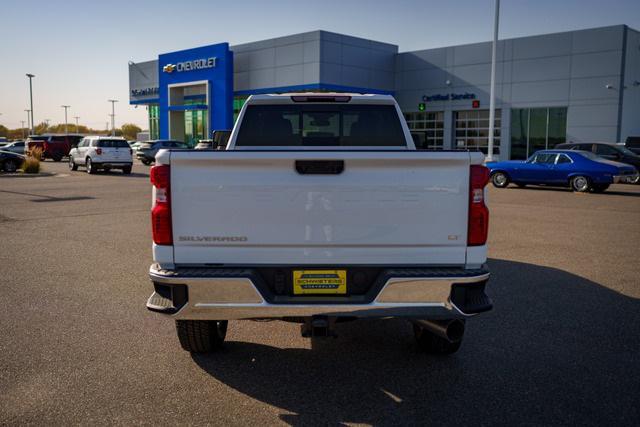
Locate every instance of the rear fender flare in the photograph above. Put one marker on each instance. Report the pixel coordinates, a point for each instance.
(586, 175)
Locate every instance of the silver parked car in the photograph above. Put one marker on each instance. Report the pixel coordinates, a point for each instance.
(147, 151)
(14, 147)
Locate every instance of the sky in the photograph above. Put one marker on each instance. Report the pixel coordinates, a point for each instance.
(79, 50)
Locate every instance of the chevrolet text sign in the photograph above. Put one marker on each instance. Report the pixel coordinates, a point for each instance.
(196, 64)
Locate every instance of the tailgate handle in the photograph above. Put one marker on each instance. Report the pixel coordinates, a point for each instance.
(319, 167)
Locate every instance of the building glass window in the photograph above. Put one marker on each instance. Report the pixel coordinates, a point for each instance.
(427, 128)
(154, 123)
(471, 130)
(534, 129)
(557, 126)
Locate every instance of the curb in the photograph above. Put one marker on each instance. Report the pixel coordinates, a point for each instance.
(27, 175)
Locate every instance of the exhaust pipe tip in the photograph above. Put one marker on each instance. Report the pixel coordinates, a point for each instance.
(451, 330)
(455, 330)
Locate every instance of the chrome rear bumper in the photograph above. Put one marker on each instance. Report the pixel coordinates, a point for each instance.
(624, 179)
(226, 294)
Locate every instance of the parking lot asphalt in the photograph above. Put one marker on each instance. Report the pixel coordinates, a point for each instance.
(77, 345)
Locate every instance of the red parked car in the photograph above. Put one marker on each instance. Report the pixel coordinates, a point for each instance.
(52, 146)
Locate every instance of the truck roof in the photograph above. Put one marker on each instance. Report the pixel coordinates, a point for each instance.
(320, 97)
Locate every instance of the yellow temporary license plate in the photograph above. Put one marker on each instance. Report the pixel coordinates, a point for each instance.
(319, 282)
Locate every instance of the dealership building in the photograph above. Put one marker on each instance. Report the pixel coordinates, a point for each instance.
(572, 86)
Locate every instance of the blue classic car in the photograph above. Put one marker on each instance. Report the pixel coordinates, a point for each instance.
(580, 170)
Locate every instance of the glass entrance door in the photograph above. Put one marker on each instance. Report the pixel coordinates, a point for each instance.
(195, 125)
(188, 112)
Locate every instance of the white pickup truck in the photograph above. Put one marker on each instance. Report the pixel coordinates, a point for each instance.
(320, 210)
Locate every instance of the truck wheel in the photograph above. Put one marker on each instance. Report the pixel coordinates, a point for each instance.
(500, 180)
(146, 162)
(126, 170)
(90, 168)
(429, 342)
(72, 164)
(56, 157)
(201, 336)
(580, 184)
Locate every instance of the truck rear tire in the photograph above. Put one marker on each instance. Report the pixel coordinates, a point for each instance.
(201, 336)
(429, 342)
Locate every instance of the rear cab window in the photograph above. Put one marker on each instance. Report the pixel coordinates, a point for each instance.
(321, 125)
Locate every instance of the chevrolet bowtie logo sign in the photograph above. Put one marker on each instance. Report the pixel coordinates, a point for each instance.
(193, 65)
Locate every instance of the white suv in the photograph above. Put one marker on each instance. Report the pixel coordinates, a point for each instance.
(102, 152)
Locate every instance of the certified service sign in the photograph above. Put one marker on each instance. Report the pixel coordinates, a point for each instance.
(196, 64)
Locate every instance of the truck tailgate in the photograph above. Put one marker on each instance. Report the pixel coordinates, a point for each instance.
(385, 208)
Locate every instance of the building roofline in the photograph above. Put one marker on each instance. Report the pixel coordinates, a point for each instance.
(622, 26)
(392, 45)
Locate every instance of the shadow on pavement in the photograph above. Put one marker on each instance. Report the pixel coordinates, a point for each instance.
(118, 173)
(557, 349)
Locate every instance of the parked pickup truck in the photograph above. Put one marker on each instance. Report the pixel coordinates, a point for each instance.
(52, 146)
(319, 211)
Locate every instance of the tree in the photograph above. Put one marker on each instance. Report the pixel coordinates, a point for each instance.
(129, 130)
(4, 131)
(17, 133)
(40, 128)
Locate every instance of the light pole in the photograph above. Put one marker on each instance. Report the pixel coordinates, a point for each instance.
(65, 117)
(76, 117)
(113, 116)
(23, 129)
(28, 118)
(31, 99)
(492, 95)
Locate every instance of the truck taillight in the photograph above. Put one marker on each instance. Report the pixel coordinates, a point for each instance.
(98, 151)
(161, 212)
(478, 211)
